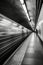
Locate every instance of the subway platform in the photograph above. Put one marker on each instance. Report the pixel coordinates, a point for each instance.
(29, 53)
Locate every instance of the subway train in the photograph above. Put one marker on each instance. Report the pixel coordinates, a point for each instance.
(28, 33)
(10, 38)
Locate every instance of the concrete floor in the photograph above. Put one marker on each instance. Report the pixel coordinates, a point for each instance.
(30, 53)
(34, 52)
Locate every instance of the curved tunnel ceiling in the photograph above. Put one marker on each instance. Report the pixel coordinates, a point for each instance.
(13, 10)
(38, 9)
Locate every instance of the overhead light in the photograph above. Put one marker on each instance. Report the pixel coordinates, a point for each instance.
(26, 11)
(22, 1)
(24, 7)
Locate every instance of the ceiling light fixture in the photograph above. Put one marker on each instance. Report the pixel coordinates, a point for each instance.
(22, 1)
(24, 7)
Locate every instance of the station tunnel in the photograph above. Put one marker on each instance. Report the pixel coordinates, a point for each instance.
(21, 32)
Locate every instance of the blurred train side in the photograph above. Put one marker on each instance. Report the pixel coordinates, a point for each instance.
(12, 35)
(12, 30)
(10, 27)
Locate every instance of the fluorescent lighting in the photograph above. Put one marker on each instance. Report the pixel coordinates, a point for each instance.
(24, 7)
(26, 11)
(22, 1)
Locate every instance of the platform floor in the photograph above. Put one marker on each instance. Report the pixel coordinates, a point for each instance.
(34, 52)
(30, 53)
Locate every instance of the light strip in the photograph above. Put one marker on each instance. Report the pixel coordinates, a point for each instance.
(26, 11)
(24, 7)
(22, 1)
